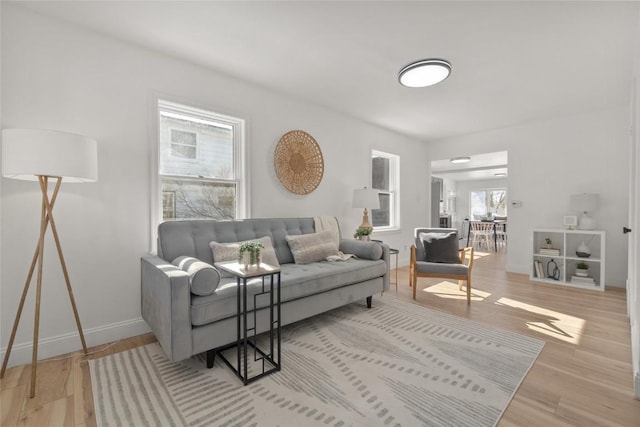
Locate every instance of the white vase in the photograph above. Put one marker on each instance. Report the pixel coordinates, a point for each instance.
(583, 251)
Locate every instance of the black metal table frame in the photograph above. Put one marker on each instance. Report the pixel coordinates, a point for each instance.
(244, 341)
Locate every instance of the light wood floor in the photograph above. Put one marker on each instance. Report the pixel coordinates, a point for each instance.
(582, 377)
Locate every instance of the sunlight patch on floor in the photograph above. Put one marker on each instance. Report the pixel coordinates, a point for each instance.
(548, 322)
(450, 290)
(478, 254)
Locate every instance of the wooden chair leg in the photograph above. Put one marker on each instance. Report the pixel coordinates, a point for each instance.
(468, 290)
(414, 284)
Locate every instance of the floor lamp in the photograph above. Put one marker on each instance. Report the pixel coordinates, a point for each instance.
(44, 156)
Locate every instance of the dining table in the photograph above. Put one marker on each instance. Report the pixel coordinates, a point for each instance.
(495, 223)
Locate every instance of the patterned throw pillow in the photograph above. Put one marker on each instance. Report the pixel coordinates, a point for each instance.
(441, 247)
(312, 247)
(225, 252)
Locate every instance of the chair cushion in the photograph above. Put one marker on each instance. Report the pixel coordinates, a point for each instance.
(224, 252)
(203, 277)
(441, 247)
(312, 247)
(441, 268)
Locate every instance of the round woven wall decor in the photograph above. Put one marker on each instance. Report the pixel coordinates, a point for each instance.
(298, 162)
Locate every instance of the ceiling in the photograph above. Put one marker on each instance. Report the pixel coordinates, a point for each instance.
(513, 62)
(481, 166)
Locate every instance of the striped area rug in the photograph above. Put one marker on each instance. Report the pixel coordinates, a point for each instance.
(396, 364)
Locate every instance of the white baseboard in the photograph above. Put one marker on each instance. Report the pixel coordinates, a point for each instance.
(67, 343)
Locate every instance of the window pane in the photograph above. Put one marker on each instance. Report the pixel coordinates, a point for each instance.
(478, 204)
(488, 201)
(195, 147)
(380, 173)
(183, 144)
(498, 202)
(382, 217)
(190, 199)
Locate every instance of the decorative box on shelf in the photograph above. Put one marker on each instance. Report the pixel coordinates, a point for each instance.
(559, 257)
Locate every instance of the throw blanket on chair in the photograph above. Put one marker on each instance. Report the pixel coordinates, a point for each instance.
(330, 223)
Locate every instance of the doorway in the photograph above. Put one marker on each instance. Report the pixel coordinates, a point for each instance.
(468, 189)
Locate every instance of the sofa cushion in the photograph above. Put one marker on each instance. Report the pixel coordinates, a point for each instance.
(307, 248)
(297, 281)
(203, 277)
(441, 247)
(225, 252)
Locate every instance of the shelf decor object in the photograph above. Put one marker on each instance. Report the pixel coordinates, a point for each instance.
(564, 263)
(298, 162)
(585, 203)
(44, 156)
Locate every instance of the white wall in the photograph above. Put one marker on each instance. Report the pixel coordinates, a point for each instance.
(549, 161)
(61, 77)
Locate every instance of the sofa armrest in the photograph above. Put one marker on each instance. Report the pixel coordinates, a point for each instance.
(165, 305)
(364, 249)
(361, 248)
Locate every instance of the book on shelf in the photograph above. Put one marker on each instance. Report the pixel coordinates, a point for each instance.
(584, 280)
(539, 270)
(549, 251)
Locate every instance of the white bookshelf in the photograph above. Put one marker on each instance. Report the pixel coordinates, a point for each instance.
(566, 242)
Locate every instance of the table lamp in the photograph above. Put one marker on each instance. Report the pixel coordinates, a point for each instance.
(44, 155)
(585, 203)
(366, 198)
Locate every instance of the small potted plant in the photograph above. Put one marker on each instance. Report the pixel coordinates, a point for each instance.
(549, 243)
(363, 233)
(253, 249)
(582, 269)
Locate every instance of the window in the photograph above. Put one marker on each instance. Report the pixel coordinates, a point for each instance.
(183, 144)
(488, 201)
(200, 165)
(385, 177)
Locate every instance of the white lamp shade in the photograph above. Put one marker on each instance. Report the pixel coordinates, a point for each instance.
(28, 153)
(585, 202)
(366, 198)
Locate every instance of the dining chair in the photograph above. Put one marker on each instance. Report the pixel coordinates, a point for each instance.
(482, 234)
(501, 233)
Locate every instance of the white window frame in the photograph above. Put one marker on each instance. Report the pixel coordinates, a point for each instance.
(394, 188)
(240, 151)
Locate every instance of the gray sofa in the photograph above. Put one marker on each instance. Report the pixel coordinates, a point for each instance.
(186, 324)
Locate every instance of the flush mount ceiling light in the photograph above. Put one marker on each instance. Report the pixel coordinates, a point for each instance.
(463, 159)
(426, 72)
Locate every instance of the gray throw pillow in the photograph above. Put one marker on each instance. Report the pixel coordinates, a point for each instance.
(224, 252)
(441, 247)
(312, 247)
(203, 277)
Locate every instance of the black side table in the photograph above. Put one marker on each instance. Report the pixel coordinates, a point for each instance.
(395, 252)
(265, 361)
(392, 252)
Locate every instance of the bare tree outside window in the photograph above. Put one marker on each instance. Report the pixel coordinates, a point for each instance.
(484, 202)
